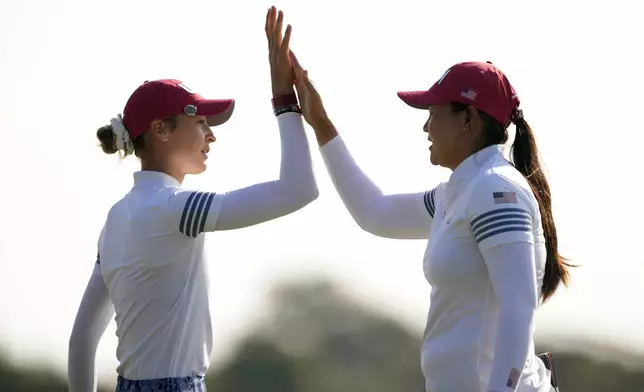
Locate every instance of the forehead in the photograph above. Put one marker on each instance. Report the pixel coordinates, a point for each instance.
(439, 108)
(186, 118)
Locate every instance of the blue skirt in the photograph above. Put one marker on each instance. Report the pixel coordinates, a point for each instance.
(174, 384)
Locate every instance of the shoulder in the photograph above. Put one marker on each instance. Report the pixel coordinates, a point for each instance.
(501, 210)
(501, 187)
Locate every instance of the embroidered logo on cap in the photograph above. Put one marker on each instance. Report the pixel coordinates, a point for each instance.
(190, 110)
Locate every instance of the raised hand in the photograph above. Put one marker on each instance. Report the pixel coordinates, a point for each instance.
(282, 75)
(310, 100)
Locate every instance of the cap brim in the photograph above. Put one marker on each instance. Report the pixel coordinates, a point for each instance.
(216, 111)
(421, 99)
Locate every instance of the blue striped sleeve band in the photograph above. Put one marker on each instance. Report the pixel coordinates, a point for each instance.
(98, 259)
(195, 213)
(430, 205)
(501, 221)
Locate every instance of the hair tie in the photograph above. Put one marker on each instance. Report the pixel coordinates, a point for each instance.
(517, 115)
(122, 139)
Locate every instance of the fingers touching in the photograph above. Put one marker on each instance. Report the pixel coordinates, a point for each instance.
(287, 39)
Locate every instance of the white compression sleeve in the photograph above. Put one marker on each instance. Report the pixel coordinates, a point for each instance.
(512, 271)
(94, 314)
(295, 188)
(402, 216)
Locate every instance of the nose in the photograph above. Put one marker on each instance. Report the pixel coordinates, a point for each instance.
(425, 126)
(210, 137)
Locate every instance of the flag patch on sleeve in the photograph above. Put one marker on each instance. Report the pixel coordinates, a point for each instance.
(504, 197)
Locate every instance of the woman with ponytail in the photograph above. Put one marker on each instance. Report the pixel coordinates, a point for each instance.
(492, 254)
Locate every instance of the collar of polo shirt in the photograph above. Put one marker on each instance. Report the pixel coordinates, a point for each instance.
(154, 178)
(470, 166)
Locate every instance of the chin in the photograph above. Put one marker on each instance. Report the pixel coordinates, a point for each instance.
(434, 161)
(197, 168)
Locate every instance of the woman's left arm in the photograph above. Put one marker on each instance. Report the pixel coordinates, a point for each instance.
(502, 217)
(512, 272)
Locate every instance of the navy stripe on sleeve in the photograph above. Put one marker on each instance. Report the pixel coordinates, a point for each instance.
(195, 213)
(429, 199)
(500, 221)
(98, 259)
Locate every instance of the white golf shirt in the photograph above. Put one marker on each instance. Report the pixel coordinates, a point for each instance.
(152, 260)
(151, 270)
(485, 261)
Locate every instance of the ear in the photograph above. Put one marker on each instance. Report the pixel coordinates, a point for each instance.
(159, 130)
(474, 120)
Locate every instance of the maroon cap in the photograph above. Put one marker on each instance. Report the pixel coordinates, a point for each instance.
(481, 85)
(160, 99)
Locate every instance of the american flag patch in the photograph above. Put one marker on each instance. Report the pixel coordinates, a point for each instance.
(513, 379)
(504, 197)
(468, 93)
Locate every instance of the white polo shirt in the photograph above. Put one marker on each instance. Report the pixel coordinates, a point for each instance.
(485, 260)
(486, 203)
(151, 274)
(151, 258)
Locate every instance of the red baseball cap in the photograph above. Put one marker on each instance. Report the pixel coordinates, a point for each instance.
(481, 85)
(160, 99)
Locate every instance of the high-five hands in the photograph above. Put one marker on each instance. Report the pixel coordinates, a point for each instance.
(310, 100)
(282, 75)
(286, 70)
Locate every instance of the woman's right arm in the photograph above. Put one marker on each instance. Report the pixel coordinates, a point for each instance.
(94, 314)
(400, 216)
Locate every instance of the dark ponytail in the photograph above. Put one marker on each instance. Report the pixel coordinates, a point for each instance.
(525, 158)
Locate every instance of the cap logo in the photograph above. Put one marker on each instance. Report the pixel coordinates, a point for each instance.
(443, 77)
(190, 110)
(183, 86)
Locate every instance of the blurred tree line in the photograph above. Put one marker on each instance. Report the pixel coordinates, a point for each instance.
(316, 340)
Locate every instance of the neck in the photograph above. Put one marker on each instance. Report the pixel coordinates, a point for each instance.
(458, 158)
(152, 165)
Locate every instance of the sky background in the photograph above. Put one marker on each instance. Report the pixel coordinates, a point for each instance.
(70, 65)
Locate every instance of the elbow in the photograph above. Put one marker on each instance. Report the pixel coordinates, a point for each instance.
(305, 195)
(370, 218)
(366, 225)
(375, 230)
(302, 192)
(75, 349)
(369, 223)
(77, 343)
(309, 191)
(80, 342)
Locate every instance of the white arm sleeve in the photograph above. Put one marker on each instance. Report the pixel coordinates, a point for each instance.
(401, 216)
(195, 212)
(512, 271)
(502, 217)
(94, 314)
